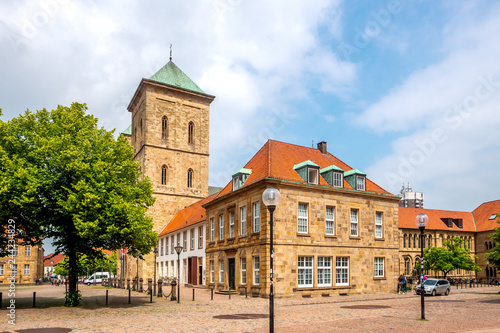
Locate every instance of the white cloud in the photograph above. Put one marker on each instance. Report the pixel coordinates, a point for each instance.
(448, 116)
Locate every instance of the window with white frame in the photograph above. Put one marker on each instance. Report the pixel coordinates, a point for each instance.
(162, 242)
(303, 224)
(212, 229)
(313, 175)
(330, 220)
(200, 237)
(379, 267)
(360, 183)
(14, 269)
(305, 278)
(192, 239)
(212, 271)
(338, 179)
(378, 225)
(231, 224)
(221, 271)
(221, 227)
(324, 271)
(26, 269)
(166, 245)
(243, 270)
(173, 245)
(166, 269)
(243, 220)
(27, 251)
(172, 268)
(179, 239)
(342, 271)
(15, 251)
(354, 222)
(1, 269)
(256, 216)
(184, 246)
(256, 270)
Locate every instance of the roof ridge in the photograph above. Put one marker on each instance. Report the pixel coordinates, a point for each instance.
(441, 210)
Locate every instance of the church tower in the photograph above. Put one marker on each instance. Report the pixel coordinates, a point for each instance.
(170, 137)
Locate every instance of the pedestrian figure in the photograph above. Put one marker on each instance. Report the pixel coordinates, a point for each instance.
(400, 284)
(404, 284)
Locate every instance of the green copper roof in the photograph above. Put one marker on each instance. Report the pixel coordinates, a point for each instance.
(243, 171)
(128, 131)
(172, 75)
(330, 168)
(354, 172)
(305, 163)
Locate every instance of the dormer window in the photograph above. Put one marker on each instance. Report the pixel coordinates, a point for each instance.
(356, 179)
(308, 171)
(333, 175)
(240, 177)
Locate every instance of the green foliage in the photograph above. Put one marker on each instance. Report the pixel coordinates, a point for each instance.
(87, 264)
(64, 178)
(73, 298)
(449, 257)
(493, 257)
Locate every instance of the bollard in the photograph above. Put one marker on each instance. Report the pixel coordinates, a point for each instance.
(34, 298)
(160, 288)
(0, 300)
(229, 293)
(151, 297)
(457, 285)
(246, 293)
(106, 297)
(461, 285)
(129, 291)
(212, 293)
(193, 294)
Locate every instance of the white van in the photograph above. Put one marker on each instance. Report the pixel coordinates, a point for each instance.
(98, 276)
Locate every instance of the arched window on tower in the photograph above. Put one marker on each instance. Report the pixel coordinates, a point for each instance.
(191, 133)
(404, 241)
(164, 174)
(190, 178)
(164, 128)
(429, 240)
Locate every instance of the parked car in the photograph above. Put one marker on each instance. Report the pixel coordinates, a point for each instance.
(434, 286)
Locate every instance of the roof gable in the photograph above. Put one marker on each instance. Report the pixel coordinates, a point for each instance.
(438, 219)
(277, 160)
(172, 75)
(483, 213)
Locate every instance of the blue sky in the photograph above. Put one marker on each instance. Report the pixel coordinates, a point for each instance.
(406, 91)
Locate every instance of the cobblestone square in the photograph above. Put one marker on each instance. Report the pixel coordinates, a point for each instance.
(464, 310)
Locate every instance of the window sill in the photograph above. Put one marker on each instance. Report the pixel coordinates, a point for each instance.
(379, 239)
(354, 237)
(380, 278)
(323, 288)
(303, 234)
(242, 236)
(331, 236)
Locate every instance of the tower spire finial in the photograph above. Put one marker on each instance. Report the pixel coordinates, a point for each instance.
(170, 51)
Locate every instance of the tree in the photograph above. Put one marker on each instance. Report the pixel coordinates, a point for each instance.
(64, 178)
(493, 257)
(449, 257)
(87, 265)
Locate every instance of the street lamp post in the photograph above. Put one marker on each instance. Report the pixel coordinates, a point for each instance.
(271, 198)
(137, 276)
(178, 249)
(421, 222)
(154, 283)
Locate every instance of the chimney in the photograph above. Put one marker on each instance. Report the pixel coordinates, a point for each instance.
(322, 147)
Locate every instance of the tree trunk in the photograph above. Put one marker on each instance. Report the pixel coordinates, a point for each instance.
(73, 279)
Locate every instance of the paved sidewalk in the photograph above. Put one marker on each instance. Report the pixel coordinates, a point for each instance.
(464, 310)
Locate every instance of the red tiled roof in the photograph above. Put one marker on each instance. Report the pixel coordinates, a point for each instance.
(55, 258)
(483, 213)
(187, 216)
(276, 160)
(407, 219)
